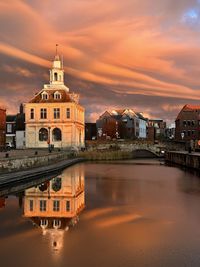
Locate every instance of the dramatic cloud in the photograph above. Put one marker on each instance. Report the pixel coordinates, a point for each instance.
(141, 54)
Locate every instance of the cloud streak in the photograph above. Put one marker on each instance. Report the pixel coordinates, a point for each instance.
(116, 54)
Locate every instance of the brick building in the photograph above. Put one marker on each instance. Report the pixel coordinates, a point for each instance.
(90, 131)
(156, 129)
(121, 123)
(2, 128)
(107, 126)
(188, 123)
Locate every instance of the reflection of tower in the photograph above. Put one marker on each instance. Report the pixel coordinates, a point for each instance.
(55, 205)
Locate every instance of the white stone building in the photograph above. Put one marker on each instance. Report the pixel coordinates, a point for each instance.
(54, 115)
(142, 126)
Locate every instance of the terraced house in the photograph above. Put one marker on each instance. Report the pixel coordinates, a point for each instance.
(54, 115)
(188, 123)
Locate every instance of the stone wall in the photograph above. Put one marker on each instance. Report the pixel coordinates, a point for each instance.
(190, 160)
(9, 165)
(134, 145)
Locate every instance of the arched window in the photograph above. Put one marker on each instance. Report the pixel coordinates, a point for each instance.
(55, 76)
(43, 134)
(56, 134)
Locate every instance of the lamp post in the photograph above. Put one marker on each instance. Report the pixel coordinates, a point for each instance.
(49, 140)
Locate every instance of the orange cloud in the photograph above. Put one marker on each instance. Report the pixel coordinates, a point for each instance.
(126, 48)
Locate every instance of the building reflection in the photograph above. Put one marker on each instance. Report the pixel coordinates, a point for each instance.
(2, 202)
(55, 205)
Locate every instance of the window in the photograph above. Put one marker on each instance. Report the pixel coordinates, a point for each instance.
(32, 114)
(57, 95)
(193, 132)
(43, 113)
(56, 205)
(188, 123)
(188, 133)
(44, 222)
(68, 113)
(31, 205)
(55, 76)
(44, 96)
(184, 123)
(56, 134)
(43, 134)
(43, 205)
(193, 123)
(56, 112)
(67, 205)
(56, 223)
(9, 128)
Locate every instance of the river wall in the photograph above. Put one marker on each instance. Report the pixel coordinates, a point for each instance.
(190, 160)
(16, 164)
(132, 145)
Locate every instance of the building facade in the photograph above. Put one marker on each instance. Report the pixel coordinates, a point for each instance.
(156, 129)
(188, 124)
(142, 126)
(54, 115)
(124, 124)
(20, 129)
(11, 131)
(90, 131)
(2, 128)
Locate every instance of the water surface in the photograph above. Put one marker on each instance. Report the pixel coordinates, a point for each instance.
(130, 213)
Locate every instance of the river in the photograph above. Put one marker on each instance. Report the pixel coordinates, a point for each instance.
(126, 214)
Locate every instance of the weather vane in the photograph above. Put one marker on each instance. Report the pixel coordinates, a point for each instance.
(56, 49)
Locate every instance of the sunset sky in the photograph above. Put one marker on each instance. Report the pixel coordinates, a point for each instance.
(140, 54)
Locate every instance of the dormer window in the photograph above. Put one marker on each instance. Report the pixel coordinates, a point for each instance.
(57, 95)
(44, 96)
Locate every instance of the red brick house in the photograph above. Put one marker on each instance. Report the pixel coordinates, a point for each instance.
(107, 126)
(119, 123)
(188, 123)
(2, 128)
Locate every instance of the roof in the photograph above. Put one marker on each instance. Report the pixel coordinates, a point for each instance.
(65, 97)
(188, 107)
(191, 107)
(141, 116)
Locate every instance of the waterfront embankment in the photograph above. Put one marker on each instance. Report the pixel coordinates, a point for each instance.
(183, 158)
(49, 171)
(106, 155)
(18, 160)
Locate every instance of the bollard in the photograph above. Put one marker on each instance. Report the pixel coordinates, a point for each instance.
(7, 155)
(36, 153)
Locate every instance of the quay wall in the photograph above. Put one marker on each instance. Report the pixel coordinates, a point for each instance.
(190, 160)
(132, 145)
(26, 162)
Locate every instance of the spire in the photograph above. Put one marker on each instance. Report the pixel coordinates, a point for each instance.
(57, 58)
(57, 71)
